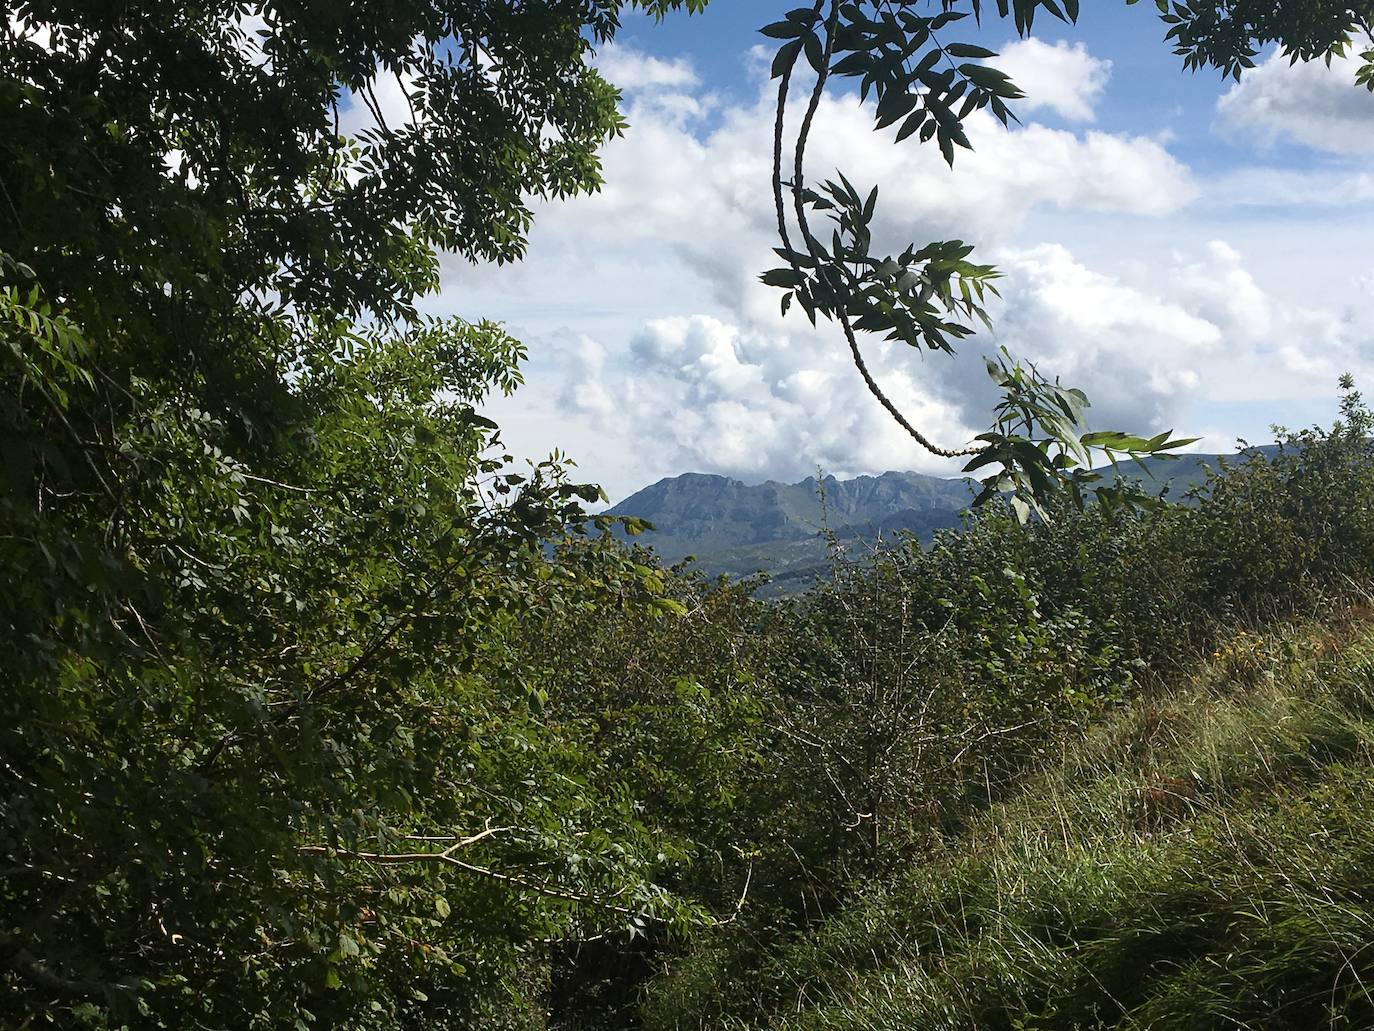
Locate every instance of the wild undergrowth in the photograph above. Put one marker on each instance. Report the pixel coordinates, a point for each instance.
(1096, 771)
(1203, 858)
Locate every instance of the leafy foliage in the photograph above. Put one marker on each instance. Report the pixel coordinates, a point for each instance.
(317, 711)
(1229, 36)
(270, 754)
(930, 296)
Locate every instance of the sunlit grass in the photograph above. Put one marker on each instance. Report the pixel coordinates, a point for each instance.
(1204, 859)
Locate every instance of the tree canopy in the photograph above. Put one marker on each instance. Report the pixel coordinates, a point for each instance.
(264, 557)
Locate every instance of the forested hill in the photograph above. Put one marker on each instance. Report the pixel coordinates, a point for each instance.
(733, 527)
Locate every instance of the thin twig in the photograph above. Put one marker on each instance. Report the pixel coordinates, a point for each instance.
(276, 483)
(447, 857)
(399, 858)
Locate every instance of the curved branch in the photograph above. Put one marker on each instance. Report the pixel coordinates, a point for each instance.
(822, 76)
(784, 89)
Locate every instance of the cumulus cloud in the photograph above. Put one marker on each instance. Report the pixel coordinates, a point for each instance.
(1064, 78)
(736, 397)
(717, 397)
(1306, 102)
(698, 189)
(657, 351)
(1138, 353)
(631, 70)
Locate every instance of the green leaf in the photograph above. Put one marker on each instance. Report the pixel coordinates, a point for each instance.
(968, 50)
(785, 58)
(784, 30)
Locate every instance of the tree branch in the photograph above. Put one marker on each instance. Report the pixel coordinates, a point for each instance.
(14, 957)
(385, 858)
(447, 856)
(798, 194)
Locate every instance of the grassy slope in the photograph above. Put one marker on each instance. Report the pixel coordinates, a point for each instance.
(1201, 861)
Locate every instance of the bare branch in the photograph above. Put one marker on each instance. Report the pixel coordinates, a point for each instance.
(386, 858)
(448, 857)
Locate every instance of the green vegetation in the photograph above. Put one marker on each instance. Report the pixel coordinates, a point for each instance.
(789, 530)
(265, 565)
(1094, 773)
(1200, 860)
(317, 713)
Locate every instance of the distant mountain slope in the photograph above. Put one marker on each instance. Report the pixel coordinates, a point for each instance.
(733, 527)
(740, 528)
(1187, 471)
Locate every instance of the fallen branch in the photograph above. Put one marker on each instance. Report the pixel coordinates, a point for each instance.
(448, 857)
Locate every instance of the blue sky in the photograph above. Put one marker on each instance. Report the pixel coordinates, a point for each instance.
(1130, 36)
(1192, 252)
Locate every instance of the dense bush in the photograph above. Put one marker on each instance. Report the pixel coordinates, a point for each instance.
(816, 746)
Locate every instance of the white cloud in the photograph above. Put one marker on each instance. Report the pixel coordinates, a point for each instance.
(714, 396)
(1137, 353)
(631, 70)
(1061, 77)
(737, 396)
(397, 98)
(1200, 331)
(248, 23)
(700, 197)
(1306, 102)
(1291, 188)
(32, 29)
(656, 351)
(1219, 288)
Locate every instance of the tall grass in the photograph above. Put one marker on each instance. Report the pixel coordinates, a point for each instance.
(1200, 860)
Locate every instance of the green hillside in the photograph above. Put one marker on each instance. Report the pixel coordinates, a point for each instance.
(1204, 859)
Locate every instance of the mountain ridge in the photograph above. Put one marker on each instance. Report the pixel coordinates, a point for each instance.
(737, 528)
(734, 527)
